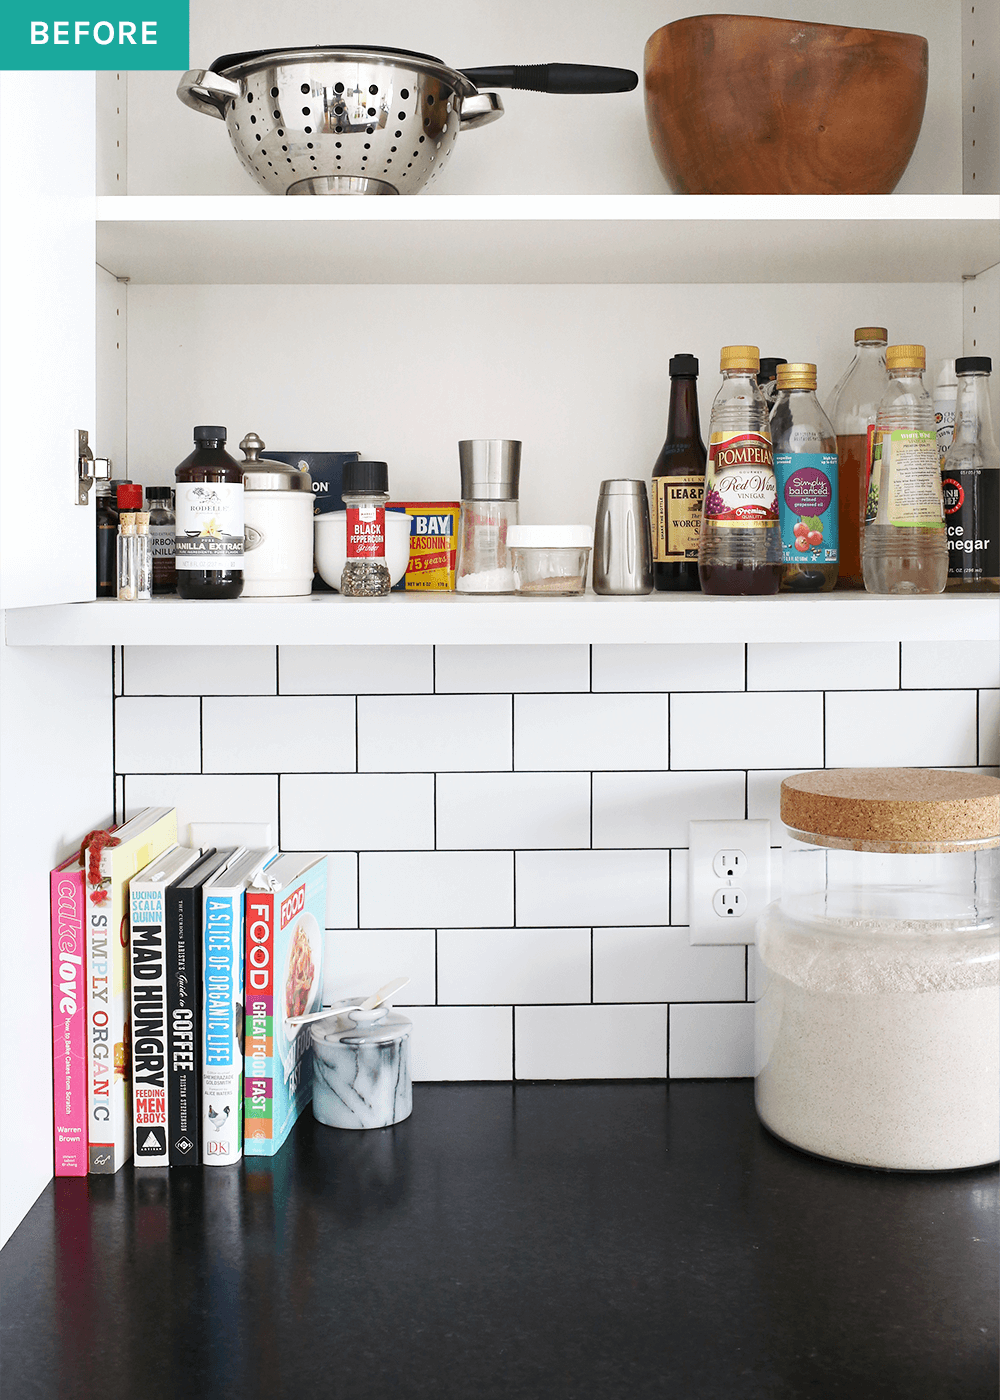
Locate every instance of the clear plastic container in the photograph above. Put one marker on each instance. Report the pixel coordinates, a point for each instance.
(878, 972)
(853, 408)
(550, 559)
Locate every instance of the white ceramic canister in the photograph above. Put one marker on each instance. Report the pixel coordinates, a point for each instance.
(278, 526)
(361, 1068)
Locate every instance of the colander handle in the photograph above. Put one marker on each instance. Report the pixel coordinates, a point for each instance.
(480, 110)
(554, 77)
(207, 92)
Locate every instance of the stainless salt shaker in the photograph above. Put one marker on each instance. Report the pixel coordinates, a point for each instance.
(491, 469)
(623, 545)
(361, 1067)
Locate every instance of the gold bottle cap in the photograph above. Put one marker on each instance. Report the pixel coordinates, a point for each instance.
(796, 376)
(878, 333)
(906, 357)
(739, 357)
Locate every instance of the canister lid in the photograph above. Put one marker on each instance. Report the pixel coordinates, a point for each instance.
(383, 1026)
(892, 809)
(269, 475)
(550, 536)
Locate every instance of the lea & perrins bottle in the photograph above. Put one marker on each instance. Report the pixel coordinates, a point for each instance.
(679, 485)
(739, 549)
(208, 533)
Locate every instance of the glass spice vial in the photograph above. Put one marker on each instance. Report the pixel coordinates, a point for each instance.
(365, 490)
(878, 1014)
(160, 504)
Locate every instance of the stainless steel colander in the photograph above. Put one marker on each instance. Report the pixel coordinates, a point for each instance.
(362, 120)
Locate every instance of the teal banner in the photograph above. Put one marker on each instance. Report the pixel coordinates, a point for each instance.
(144, 34)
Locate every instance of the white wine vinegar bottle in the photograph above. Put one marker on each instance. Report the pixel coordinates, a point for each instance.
(905, 545)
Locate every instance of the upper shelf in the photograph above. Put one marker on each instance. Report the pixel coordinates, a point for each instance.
(548, 239)
(328, 619)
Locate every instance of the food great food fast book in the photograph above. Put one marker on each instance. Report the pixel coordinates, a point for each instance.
(285, 932)
(109, 1081)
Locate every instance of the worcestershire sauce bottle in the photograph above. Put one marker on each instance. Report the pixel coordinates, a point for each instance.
(679, 485)
(209, 519)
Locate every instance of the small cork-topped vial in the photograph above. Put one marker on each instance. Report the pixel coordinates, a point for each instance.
(878, 1011)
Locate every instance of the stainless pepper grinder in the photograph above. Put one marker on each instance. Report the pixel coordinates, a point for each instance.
(623, 543)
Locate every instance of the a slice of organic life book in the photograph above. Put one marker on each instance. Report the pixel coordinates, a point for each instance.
(108, 869)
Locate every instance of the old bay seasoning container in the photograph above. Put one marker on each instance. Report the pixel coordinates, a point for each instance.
(878, 1012)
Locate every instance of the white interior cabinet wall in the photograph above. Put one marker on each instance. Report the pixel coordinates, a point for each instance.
(545, 144)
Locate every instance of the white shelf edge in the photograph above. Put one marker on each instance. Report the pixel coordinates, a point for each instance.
(634, 208)
(327, 620)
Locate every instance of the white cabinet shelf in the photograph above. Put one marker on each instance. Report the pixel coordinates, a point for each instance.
(328, 619)
(231, 240)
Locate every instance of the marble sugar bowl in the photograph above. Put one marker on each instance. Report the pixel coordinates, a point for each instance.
(361, 1068)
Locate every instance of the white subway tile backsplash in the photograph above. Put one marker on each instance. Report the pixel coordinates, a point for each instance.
(573, 888)
(653, 809)
(934, 665)
(208, 797)
(590, 731)
(278, 733)
(434, 733)
(498, 811)
(219, 670)
(679, 887)
(590, 1042)
(358, 670)
(659, 964)
(359, 963)
(711, 1041)
(341, 889)
(907, 728)
(158, 732)
(822, 665)
(772, 730)
(669, 666)
(360, 811)
(457, 889)
(523, 965)
(764, 799)
(506, 669)
(461, 1042)
(989, 727)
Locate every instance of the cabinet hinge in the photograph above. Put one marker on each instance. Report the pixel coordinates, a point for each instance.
(88, 467)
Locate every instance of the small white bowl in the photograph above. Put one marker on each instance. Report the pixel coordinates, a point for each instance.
(330, 533)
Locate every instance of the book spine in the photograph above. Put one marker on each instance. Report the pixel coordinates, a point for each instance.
(184, 1026)
(68, 903)
(149, 1025)
(258, 1098)
(100, 1044)
(222, 1015)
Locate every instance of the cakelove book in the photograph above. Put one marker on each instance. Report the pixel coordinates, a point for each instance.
(68, 912)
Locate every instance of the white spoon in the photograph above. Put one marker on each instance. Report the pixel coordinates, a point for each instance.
(369, 1004)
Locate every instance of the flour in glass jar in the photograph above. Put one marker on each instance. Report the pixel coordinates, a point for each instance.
(877, 1055)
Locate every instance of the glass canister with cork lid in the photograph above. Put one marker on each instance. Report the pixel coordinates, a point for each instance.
(878, 996)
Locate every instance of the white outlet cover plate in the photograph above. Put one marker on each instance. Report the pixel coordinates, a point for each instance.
(705, 840)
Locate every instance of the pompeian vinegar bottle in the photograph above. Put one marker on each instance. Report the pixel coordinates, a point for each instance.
(905, 545)
(852, 409)
(970, 478)
(208, 507)
(739, 550)
(805, 468)
(679, 485)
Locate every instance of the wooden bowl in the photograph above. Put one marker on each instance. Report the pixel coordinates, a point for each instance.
(745, 105)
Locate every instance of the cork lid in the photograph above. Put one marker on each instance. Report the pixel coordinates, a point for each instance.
(892, 809)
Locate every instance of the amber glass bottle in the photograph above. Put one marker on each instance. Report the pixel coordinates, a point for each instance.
(679, 485)
(209, 519)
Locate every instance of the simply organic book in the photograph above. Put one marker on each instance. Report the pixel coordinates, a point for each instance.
(68, 908)
(285, 931)
(109, 868)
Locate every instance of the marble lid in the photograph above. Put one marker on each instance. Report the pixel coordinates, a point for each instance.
(382, 1026)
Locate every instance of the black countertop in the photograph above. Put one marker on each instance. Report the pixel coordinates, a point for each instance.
(575, 1240)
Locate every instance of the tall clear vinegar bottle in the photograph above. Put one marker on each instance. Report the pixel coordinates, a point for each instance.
(852, 409)
(970, 478)
(905, 545)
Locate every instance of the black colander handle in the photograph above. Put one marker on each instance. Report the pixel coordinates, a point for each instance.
(554, 77)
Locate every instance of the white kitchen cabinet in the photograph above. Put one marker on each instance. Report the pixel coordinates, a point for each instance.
(537, 293)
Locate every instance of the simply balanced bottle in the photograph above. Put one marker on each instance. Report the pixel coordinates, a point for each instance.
(970, 479)
(739, 549)
(852, 409)
(805, 468)
(905, 545)
(679, 485)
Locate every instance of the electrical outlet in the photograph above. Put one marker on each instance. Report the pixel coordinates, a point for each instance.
(729, 879)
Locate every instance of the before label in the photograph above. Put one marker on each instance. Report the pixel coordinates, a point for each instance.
(677, 503)
(972, 519)
(366, 532)
(905, 484)
(807, 503)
